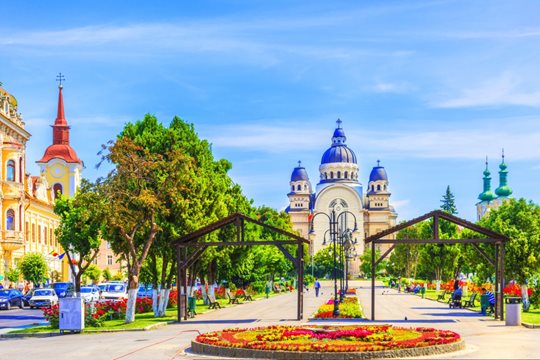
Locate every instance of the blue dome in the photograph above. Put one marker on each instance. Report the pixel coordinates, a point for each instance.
(339, 152)
(378, 173)
(299, 173)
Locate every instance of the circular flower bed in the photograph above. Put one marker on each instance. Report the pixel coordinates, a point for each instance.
(374, 339)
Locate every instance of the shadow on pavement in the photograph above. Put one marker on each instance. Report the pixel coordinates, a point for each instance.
(456, 314)
(427, 321)
(21, 317)
(217, 321)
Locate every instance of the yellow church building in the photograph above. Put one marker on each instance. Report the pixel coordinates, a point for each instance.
(28, 220)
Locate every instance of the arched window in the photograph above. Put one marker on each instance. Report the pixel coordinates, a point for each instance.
(10, 220)
(299, 187)
(57, 189)
(346, 174)
(326, 175)
(379, 187)
(11, 170)
(384, 187)
(339, 174)
(305, 187)
(331, 174)
(20, 170)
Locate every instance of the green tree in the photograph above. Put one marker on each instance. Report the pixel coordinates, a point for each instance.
(13, 274)
(81, 220)
(34, 268)
(403, 261)
(150, 174)
(448, 202)
(520, 221)
(365, 262)
(93, 272)
(107, 276)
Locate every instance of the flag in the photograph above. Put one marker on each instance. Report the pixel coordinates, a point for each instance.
(54, 253)
(310, 216)
(60, 257)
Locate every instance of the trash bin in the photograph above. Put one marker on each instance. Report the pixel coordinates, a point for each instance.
(513, 311)
(192, 305)
(484, 304)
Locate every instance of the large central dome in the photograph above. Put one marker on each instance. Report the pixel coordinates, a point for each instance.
(338, 152)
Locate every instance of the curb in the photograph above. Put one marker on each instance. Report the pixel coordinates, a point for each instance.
(58, 333)
(205, 349)
(530, 326)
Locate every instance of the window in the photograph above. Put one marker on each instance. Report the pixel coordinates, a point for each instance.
(34, 232)
(20, 170)
(95, 261)
(378, 187)
(20, 217)
(10, 220)
(39, 234)
(331, 174)
(109, 259)
(11, 170)
(298, 187)
(339, 174)
(27, 231)
(346, 174)
(57, 188)
(108, 244)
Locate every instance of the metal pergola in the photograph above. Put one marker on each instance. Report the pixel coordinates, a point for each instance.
(492, 238)
(238, 220)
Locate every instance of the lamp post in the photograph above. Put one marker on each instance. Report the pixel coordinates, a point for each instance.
(350, 253)
(333, 229)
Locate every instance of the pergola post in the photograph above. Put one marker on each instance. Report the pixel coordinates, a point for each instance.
(300, 274)
(373, 281)
(179, 265)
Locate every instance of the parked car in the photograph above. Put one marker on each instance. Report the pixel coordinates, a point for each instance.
(9, 298)
(64, 289)
(145, 291)
(43, 298)
(26, 298)
(114, 291)
(90, 293)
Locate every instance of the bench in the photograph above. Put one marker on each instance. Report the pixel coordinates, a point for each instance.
(232, 297)
(440, 297)
(470, 302)
(212, 302)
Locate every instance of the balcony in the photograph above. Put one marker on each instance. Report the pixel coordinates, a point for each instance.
(12, 240)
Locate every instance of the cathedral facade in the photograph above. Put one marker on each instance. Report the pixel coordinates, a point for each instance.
(341, 196)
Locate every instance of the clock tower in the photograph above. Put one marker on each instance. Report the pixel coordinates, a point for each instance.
(60, 164)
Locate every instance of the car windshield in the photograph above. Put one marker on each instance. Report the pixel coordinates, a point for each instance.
(86, 290)
(60, 286)
(4, 292)
(43, 292)
(115, 288)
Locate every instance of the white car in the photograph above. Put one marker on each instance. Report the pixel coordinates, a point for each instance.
(114, 291)
(90, 293)
(43, 298)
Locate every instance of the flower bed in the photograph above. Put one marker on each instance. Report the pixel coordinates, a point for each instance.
(348, 309)
(318, 339)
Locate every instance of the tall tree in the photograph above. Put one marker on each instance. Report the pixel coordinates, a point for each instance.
(34, 268)
(520, 221)
(79, 233)
(149, 175)
(448, 202)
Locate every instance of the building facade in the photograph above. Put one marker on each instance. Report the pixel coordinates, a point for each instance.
(340, 192)
(488, 199)
(28, 221)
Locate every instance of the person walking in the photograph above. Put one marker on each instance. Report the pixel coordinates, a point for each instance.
(317, 286)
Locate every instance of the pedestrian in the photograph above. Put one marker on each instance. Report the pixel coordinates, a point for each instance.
(267, 288)
(317, 287)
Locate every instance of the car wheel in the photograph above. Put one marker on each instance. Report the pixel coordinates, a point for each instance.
(31, 307)
(8, 306)
(21, 305)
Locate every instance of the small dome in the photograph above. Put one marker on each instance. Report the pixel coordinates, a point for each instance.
(338, 152)
(299, 173)
(59, 151)
(378, 173)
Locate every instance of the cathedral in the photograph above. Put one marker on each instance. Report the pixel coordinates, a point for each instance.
(366, 211)
(489, 200)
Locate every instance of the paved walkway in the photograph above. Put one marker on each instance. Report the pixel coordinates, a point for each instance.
(485, 337)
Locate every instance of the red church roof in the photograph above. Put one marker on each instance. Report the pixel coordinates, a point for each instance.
(60, 148)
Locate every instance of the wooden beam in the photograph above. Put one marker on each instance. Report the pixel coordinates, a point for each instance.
(434, 241)
(193, 257)
(385, 254)
(240, 243)
(372, 281)
(287, 254)
(436, 226)
(300, 286)
(483, 253)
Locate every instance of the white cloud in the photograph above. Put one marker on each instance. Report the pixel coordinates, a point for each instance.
(468, 142)
(389, 87)
(505, 90)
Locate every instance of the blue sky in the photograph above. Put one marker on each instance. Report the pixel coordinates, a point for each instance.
(429, 88)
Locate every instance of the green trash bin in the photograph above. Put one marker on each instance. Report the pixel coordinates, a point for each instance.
(192, 306)
(484, 304)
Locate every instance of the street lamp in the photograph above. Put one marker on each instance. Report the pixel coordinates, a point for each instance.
(350, 253)
(333, 229)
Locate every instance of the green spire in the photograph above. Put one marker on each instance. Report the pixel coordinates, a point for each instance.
(503, 190)
(487, 195)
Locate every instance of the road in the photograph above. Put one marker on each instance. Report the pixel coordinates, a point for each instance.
(16, 318)
(484, 337)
